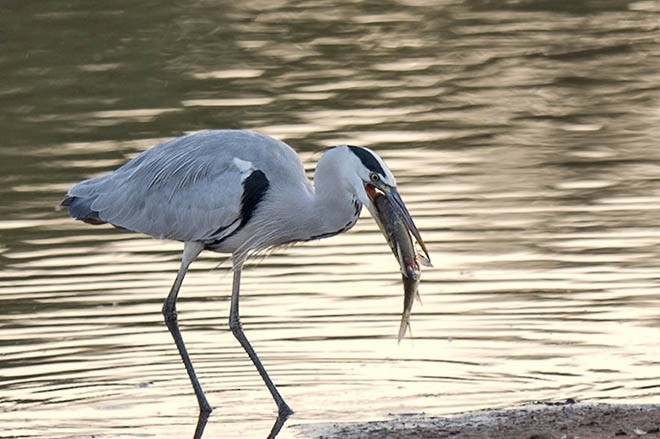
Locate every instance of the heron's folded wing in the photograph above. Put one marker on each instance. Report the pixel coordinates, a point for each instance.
(172, 194)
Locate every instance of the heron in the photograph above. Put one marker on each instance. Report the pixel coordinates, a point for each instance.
(236, 192)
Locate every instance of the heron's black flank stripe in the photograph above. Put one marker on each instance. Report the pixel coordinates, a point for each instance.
(254, 189)
(367, 159)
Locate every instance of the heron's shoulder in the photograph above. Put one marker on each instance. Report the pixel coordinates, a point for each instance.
(249, 149)
(225, 145)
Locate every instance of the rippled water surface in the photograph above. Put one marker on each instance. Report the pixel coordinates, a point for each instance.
(526, 140)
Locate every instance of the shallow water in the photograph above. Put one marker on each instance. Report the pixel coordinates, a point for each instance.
(524, 136)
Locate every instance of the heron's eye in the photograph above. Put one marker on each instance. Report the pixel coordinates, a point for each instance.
(374, 177)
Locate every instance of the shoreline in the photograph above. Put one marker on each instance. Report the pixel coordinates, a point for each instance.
(566, 420)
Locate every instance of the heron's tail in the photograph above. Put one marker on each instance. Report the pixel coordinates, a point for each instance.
(80, 209)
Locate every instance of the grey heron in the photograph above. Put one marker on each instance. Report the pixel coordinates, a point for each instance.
(236, 192)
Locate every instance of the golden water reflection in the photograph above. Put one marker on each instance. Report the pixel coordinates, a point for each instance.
(529, 301)
(524, 140)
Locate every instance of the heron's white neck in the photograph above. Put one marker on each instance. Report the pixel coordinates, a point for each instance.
(303, 213)
(334, 207)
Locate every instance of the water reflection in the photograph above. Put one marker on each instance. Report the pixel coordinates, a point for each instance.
(523, 135)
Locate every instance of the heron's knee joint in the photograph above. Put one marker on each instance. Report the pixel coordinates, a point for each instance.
(169, 312)
(284, 411)
(235, 325)
(205, 409)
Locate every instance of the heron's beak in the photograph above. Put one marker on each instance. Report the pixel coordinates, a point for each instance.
(395, 200)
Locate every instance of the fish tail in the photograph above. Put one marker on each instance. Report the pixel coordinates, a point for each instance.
(405, 325)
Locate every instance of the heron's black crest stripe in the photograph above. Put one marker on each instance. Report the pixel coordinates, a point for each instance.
(254, 189)
(367, 159)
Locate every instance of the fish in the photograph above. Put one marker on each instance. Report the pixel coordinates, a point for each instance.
(399, 238)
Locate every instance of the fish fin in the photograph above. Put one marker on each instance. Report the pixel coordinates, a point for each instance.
(424, 260)
(418, 297)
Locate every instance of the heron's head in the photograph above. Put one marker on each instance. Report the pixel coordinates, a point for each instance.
(370, 178)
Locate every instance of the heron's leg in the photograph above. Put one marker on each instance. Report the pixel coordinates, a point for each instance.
(235, 325)
(190, 252)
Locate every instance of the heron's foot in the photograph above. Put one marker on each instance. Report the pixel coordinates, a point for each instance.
(201, 422)
(283, 413)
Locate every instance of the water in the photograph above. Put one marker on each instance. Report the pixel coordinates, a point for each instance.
(524, 136)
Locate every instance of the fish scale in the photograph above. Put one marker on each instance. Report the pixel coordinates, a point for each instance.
(398, 237)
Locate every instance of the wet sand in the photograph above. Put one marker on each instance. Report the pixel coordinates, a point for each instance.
(568, 420)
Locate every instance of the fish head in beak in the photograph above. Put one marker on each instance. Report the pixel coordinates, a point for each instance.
(384, 217)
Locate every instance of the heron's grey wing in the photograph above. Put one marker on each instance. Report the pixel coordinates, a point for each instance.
(178, 190)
